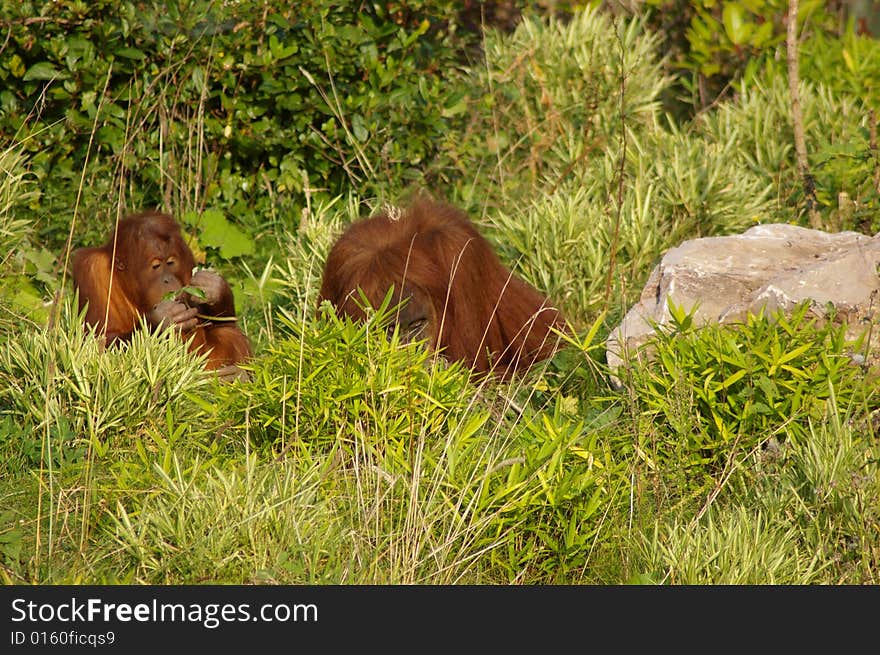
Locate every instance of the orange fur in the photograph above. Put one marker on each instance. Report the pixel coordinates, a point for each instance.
(488, 318)
(114, 298)
(113, 312)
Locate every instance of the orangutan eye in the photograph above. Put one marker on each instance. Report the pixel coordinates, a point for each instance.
(155, 264)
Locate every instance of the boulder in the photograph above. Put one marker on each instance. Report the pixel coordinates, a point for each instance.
(773, 267)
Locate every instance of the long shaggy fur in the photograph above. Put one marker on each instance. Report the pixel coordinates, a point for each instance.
(487, 317)
(112, 295)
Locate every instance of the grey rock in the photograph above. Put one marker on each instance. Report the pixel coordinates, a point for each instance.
(773, 267)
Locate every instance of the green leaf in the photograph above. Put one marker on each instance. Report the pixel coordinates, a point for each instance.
(767, 385)
(44, 71)
(130, 53)
(733, 379)
(763, 35)
(359, 129)
(16, 66)
(217, 232)
(11, 541)
(848, 60)
(734, 23)
(797, 352)
(422, 28)
(455, 105)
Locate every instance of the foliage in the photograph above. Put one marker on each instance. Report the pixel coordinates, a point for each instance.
(260, 522)
(24, 268)
(393, 444)
(678, 186)
(614, 193)
(730, 547)
(323, 375)
(720, 41)
(304, 250)
(551, 501)
(245, 107)
(216, 231)
(847, 171)
(745, 30)
(740, 455)
(849, 65)
(61, 396)
(803, 513)
(715, 391)
(465, 517)
(830, 488)
(836, 137)
(547, 101)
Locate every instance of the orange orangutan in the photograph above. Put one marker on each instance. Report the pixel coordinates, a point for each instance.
(454, 291)
(132, 276)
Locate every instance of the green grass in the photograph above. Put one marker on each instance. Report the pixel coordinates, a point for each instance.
(353, 459)
(807, 513)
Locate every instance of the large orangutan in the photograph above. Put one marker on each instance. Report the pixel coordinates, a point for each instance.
(450, 287)
(138, 271)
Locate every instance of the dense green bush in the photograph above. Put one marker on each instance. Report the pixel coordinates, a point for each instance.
(321, 376)
(23, 267)
(526, 486)
(578, 246)
(710, 393)
(551, 97)
(850, 67)
(712, 44)
(837, 133)
(61, 394)
(245, 107)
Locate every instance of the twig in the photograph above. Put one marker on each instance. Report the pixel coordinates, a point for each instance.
(872, 143)
(615, 236)
(797, 117)
(36, 20)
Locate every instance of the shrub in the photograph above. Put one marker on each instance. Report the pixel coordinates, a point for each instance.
(718, 392)
(245, 107)
(837, 140)
(547, 101)
(61, 394)
(413, 446)
(581, 248)
(714, 44)
(24, 269)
